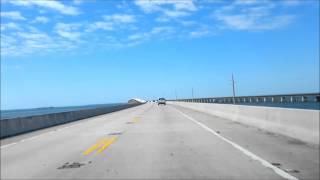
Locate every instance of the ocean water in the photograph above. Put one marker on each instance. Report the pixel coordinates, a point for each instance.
(8, 114)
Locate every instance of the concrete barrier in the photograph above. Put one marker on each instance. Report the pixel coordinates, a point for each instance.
(300, 124)
(14, 126)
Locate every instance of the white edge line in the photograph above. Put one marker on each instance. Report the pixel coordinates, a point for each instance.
(8, 145)
(34, 137)
(243, 150)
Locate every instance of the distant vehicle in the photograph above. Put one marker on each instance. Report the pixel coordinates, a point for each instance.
(162, 101)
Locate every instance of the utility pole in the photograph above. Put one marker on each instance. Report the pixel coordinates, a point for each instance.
(233, 90)
(175, 92)
(192, 93)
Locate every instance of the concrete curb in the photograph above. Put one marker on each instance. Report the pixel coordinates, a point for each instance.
(296, 123)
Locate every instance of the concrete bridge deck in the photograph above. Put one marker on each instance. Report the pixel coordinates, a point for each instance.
(156, 142)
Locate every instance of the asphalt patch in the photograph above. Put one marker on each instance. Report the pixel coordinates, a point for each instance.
(291, 170)
(115, 133)
(276, 164)
(68, 165)
(296, 142)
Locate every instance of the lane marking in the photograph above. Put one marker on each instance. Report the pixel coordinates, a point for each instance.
(50, 132)
(94, 147)
(136, 119)
(100, 146)
(107, 144)
(37, 136)
(8, 145)
(20, 141)
(243, 150)
(33, 137)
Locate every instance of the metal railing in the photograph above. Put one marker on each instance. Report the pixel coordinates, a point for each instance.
(280, 98)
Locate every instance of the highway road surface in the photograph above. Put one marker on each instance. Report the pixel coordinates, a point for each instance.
(156, 142)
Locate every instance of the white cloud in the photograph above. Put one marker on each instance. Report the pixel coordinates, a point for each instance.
(248, 22)
(33, 35)
(247, 2)
(69, 35)
(68, 31)
(162, 29)
(188, 23)
(162, 19)
(147, 6)
(25, 43)
(52, 4)
(33, 41)
(291, 2)
(156, 5)
(257, 16)
(77, 2)
(8, 46)
(120, 30)
(185, 5)
(169, 8)
(277, 22)
(120, 18)
(197, 34)
(15, 15)
(100, 25)
(67, 27)
(110, 21)
(236, 21)
(10, 25)
(41, 19)
(138, 36)
(160, 32)
(174, 14)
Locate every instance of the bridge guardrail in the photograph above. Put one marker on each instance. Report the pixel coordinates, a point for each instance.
(19, 125)
(281, 98)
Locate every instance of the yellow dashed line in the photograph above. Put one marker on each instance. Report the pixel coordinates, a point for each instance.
(102, 144)
(93, 147)
(107, 143)
(136, 119)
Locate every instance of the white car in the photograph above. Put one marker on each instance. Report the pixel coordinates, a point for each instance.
(162, 101)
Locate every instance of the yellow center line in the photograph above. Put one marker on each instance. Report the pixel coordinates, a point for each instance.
(136, 119)
(107, 143)
(94, 147)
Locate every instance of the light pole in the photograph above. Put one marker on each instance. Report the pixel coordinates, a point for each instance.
(192, 93)
(233, 90)
(175, 92)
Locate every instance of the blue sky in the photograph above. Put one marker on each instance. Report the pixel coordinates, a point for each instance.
(59, 53)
